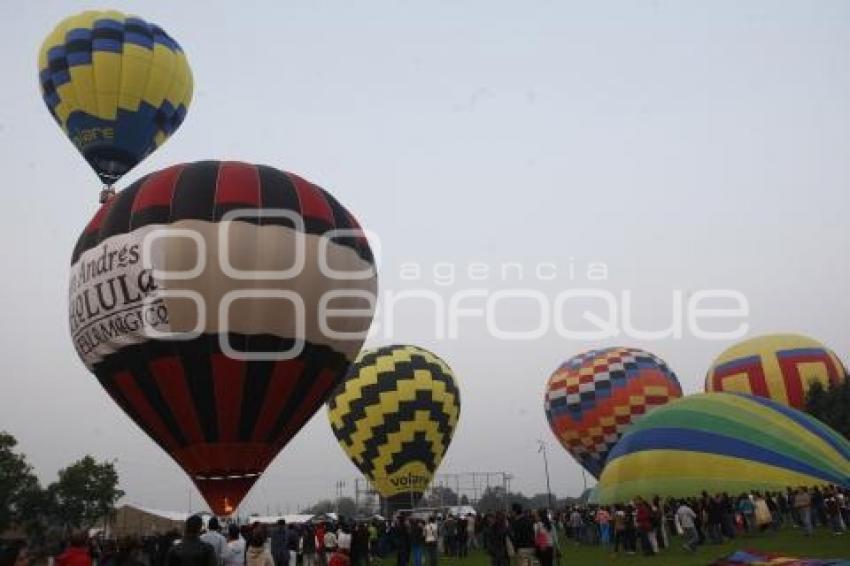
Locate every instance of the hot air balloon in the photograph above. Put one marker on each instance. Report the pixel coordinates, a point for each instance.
(720, 442)
(781, 367)
(394, 416)
(117, 85)
(595, 396)
(196, 298)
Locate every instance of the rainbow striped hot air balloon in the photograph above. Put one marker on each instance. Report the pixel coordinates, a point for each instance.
(722, 442)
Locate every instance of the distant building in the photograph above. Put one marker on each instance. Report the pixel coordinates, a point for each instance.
(135, 520)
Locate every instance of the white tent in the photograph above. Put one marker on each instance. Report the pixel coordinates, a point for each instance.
(461, 510)
(272, 519)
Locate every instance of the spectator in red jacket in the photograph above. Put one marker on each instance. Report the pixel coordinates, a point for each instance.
(320, 544)
(77, 554)
(339, 558)
(644, 526)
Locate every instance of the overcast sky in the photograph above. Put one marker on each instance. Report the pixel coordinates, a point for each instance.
(685, 145)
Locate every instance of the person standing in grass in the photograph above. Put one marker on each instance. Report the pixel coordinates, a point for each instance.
(234, 554)
(417, 542)
(793, 511)
(215, 539)
(320, 544)
(308, 547)
(544, 538)
(329, 545)
(462, 530)
(495, 538)
(359, 553)
(431, 541)
(471, 531)
(576, 524)
(803, 506)
(603, 519)
(687, 520)
(747, 511)
(659, 530)
(644, 526)
(763, 517)
(772, 500)
(280, 544)
(844, 506)
(522, 535)
(257, 555)
(833, 510)
(819, 507)
(619, 528)
(714, 519)
(401, 537)
(78, 554)
(631, 530)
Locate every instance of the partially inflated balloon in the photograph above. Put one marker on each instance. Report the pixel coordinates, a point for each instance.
(394, 416)
(197, 298)
(117, 85)
(593, 398)
(723, 442)
(781, 367)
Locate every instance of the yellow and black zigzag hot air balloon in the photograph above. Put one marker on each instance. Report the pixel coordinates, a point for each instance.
(117, 85)
(394, 415)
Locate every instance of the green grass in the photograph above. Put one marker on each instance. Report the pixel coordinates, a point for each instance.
(789, 541)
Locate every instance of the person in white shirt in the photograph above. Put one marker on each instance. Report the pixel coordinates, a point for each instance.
(234, 554)
(431, 537)
(330, 545)
(686, 517)
(215, 539)
(343, 538)
(471, 535)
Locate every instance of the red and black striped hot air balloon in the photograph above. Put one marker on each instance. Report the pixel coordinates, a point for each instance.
(196, 298)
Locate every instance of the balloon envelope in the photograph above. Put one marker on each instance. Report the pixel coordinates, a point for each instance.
(780, 367)
(394, 416)
(594, 397)
(195, 298)
(118, 86)
(723, 442)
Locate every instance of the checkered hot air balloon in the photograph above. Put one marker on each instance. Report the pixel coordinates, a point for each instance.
(593, 398)
(394, 416)
(196, 299)
(118, 86)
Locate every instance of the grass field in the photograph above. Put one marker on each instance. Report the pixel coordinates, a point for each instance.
(787, 541)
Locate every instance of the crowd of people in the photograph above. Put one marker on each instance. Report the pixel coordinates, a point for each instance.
(648, 525)
(521, 536)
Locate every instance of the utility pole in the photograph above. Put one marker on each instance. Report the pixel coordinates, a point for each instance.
(542, 449)
(506, 481)
(339, 486)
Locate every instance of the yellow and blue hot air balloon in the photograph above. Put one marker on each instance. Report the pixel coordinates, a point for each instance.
(394, 416)
(720, 442)
(781, 367)
(117, 85)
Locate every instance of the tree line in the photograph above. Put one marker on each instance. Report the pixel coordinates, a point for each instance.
(84, 494)
(831, 405)
(492, 499)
